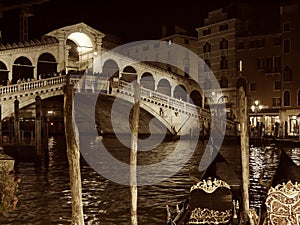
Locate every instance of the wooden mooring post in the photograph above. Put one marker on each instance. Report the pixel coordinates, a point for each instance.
(244, 121)
(38, 130)
(17, 126)
(133, 156)
(73, 156)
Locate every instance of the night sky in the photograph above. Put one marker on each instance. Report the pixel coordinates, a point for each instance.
(130, 21)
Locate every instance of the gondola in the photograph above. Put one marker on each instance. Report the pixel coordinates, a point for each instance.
(211, 200)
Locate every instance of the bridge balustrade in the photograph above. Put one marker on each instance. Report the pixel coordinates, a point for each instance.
(32, 85)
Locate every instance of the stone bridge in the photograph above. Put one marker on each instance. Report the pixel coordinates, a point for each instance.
(176, 115)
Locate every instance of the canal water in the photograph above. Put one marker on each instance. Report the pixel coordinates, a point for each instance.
(45, 198)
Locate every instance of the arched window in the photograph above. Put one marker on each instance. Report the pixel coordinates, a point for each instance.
(224, 82)
(286, 98)
(206, 47)
(286, 46)
(223, 63)
(207, 65)
(224, 44)
(287, 74)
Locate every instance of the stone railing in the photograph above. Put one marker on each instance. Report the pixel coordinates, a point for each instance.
(174, 103)
(35, 84)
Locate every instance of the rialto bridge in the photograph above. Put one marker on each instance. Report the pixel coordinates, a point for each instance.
(75, 50)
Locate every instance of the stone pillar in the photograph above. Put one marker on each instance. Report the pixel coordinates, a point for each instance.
(38, 129)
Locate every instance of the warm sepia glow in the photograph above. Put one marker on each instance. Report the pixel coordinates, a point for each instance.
(83, 42)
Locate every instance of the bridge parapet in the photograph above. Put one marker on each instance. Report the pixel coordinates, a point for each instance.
(31, 85)
(27, 91)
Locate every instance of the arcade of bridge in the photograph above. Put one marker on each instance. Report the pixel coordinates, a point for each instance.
(75, 48)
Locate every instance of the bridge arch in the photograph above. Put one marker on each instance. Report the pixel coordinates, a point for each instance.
(46, 66)
(164, 87)
(81, 51)
(129, 74)
(3, 73)
(22, 69)
(147, 81)
(110, 69)
(180, 92)
(196, 98)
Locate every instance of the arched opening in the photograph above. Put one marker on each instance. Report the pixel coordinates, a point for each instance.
(180, 93)
(286, 98)
(110, 69)
(224, 82)
(73, 56)
(196, 98)
(147, 81)
(46, 66)
(129, 74)
(164, 87)
(223, 44)
(3, 74)
(81, 52)
(287, 74)
(22, 70)
(241, 82)
(206, 47)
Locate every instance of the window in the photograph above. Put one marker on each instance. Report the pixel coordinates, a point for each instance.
(286, 27)
(287, 74)
(260, 64)
(224, 82)
(286, 46)
(240, 45)
(207, 47)
(224, 44)
(207, 65)
(251, 44)
(252, 86)
(277, 85)
(223, 27)
(260, 43)
(277, 64)
(269, 65)
(240, 65)
(276, 102)
(277, 41)
(206, 32)
(293, 124)
(223, 63)
(286, 98)
(186, 41)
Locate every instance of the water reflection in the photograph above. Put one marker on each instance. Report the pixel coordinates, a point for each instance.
(45, 198)
(263, 163)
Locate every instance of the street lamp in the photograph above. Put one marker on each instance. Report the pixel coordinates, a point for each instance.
(256, 108)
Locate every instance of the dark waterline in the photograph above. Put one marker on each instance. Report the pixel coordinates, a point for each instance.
(45, 198)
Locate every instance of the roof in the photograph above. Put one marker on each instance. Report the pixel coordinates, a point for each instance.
(45, 40)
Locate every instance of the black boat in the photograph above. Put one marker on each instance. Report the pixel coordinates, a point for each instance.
(211, 200)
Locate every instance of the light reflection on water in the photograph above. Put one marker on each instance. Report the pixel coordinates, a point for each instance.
(45, 198)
